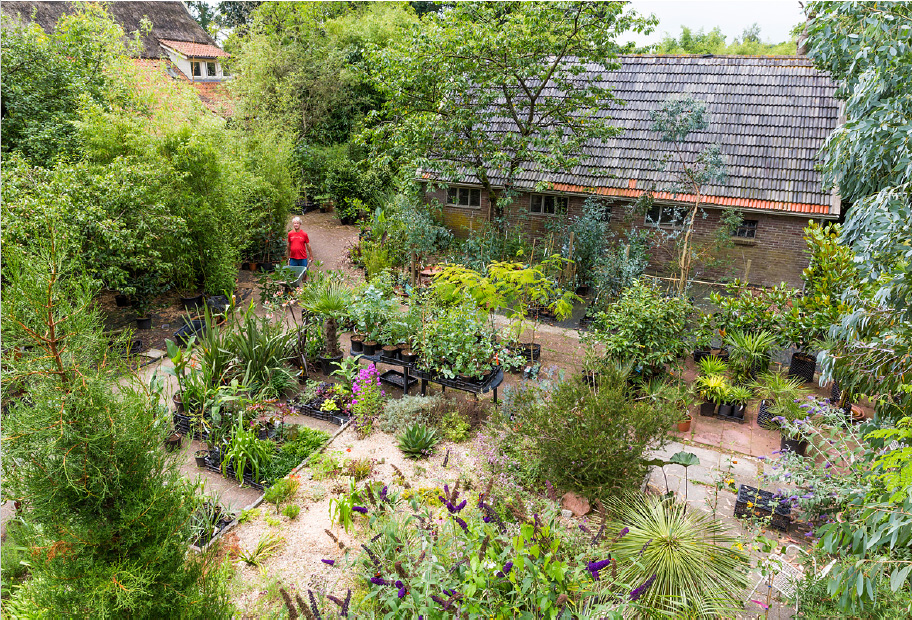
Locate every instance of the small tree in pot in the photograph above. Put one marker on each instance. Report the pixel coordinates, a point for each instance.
(329, 298)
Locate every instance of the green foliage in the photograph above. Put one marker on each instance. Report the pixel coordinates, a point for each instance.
(745, 309)
(417, 441)
(262, 350)
(786, 394)
(749, 353)
(715, 42)
(88, 556)
(678, 117)
(454, 427)
(149, 182)
(830, 274)
(281, 491)
(817, 603)
(642, 327)
(712, 387)
(376, 258)
(48, 77)
(536, 570)
(399, 414)
(291, 511)
(698, 571)
(247, 453)
(247, 516)
(426, 74)
(328, 298)
(266, 547)
(593, 440)
(341, 509)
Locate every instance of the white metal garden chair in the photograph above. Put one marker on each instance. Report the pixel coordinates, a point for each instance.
(788, 573)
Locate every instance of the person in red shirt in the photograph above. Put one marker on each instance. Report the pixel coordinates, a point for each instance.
(298, 245)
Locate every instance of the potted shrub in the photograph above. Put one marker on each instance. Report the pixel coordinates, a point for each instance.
(713, 389)
(145, 287)
(328, 298)
(773, 388)
(737, 397)
(749, 353)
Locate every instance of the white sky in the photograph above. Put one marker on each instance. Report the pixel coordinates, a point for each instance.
(775, 17)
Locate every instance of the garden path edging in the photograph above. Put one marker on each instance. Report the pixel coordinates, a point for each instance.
(255, 503)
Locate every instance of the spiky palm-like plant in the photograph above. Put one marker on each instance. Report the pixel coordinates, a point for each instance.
(699, 572)
(328, 298)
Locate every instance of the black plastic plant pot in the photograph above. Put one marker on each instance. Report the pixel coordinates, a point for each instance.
(408, 357)
(330, 364)
(582, 291)
(726, 410)
(699, 354)
(530, 350)
(144, 323)
(708, 409)
(267, 267)
(370, 348)
(178, 401)
(121, 300)
(803, 366)
(357, 344)
(390, 352)
(200, 457)
(192, 303)
(764, 417)
(797, 446)
(739, 411)
(173, 442)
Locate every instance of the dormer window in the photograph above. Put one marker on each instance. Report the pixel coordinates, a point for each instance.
(210, 69)
(197, 68)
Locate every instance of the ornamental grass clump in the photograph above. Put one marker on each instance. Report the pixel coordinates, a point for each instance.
(367, 400)
(688, 558)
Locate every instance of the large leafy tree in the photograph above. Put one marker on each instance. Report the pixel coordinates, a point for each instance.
(47, 77)
(715, 42)
(866, 47)
(489, 89)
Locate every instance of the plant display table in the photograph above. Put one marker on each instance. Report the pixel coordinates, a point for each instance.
(473, 387)
(410, 375)
(403, 380)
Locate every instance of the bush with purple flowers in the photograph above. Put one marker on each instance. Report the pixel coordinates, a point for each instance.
(435, 562)
(367, 400)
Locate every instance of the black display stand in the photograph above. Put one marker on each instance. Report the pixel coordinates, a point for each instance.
(409, 371)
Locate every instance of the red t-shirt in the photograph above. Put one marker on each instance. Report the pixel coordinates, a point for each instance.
(296, 244)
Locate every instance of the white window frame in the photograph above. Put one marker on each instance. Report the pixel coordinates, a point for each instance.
(214, 68)
(202, 69)
(464, 197)
(667, 217)
(559, 204)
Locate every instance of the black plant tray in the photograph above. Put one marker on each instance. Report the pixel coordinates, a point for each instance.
(314, 412)
(396, 378)
(491, 382)
(231, 474)
(764, 505)
(182, 426)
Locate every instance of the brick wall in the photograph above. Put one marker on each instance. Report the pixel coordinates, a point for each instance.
(776, 255)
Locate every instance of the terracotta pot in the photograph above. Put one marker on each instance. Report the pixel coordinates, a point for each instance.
(684, 425)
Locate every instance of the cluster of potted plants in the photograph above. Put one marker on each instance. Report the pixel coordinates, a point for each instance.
(721, 397)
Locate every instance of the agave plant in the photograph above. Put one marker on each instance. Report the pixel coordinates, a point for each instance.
(416, 441)
(692, 562)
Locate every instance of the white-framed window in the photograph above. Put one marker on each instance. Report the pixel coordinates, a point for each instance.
(196, 68)
(547, 204)
(665, 216)
(210, 69)
(464, 197)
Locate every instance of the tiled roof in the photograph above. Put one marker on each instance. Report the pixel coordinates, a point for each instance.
(771, 115)
(195, 50)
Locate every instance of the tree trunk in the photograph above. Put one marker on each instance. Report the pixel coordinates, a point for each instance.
(331, 336)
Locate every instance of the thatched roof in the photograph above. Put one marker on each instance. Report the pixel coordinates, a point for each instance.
(170, 20)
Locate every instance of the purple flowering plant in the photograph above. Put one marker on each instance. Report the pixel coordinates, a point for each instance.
(367, 400)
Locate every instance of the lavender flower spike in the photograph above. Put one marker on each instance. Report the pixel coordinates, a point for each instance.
(638, 592)
(330, 562)
(360, 509)
(595, 567)
(379, 581)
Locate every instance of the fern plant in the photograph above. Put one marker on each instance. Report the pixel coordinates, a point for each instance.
(417, 441)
